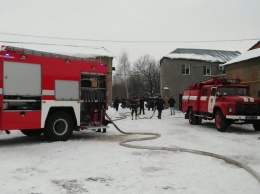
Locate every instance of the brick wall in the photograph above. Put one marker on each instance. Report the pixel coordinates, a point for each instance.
(249, 72)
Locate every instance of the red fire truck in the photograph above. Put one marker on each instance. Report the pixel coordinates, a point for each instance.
(226, 101)
(51, 94)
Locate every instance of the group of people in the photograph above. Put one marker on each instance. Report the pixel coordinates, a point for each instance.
(153, 104)
(116, 103)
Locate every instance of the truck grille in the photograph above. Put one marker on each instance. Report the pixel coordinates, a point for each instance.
(248, 108)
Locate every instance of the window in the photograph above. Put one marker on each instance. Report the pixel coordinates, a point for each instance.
(233, 91)
(186, 69)
(213, 91)
(207, 70)
(222, 69)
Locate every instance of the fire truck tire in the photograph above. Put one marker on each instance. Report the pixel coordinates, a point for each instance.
(220, 122)
(192, 118)
(199, 120)
(59, 127)
(32, 132)
(256, 126)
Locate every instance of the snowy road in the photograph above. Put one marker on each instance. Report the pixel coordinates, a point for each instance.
(95, 162)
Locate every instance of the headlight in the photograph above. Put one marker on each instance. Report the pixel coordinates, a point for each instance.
(230, 109)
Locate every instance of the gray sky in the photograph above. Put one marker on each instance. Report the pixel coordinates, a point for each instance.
(134, 20)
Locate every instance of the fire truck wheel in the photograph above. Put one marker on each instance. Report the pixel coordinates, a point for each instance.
(220, 122)
(59, 127)
(256, 126)
(192, 118)
(199, 120)
(32, 132)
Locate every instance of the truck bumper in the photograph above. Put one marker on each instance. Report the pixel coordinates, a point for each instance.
(243, 117)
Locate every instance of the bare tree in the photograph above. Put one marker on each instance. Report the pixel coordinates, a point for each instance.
(149, 72)
(123, 70)
(136, 85)
(141, 80)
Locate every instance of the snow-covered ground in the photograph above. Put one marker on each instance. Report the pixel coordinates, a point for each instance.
(93, 162)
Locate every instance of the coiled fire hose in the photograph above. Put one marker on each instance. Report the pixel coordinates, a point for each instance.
(157, 135)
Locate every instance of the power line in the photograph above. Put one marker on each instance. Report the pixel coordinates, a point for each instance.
(126, 41)
(50, 44)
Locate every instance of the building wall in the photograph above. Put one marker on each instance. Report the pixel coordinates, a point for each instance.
(249, 72)
(171, 75)
(108, 61)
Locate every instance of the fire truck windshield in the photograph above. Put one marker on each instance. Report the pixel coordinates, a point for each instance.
(232, 91)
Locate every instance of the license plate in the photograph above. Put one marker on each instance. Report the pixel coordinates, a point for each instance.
(251, 117)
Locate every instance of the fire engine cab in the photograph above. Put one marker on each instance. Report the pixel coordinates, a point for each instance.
(226, 101)
(50, 93)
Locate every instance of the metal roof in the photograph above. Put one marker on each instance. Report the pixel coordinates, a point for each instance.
(204, 55)
(251, 54)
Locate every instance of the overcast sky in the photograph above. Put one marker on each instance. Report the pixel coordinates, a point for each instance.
(134, 20)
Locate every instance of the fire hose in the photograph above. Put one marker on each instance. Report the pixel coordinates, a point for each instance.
(138, 115)
(157, 135)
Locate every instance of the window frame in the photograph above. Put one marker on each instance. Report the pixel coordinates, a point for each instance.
(205, 68)
(185, 67)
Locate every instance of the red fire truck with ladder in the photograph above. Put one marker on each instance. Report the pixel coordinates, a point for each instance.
(52, 94)
(226, 101)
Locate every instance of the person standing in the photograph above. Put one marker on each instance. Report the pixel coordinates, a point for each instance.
(159, 104)
(141, 105)
(134, 107)
(116, 103)
(171, 102)
(152, 104)
(129, 103)
(148, 104)
(123, 103)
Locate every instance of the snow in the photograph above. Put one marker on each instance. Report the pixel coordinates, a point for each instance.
(245, 56)
(95, 163)
(194, 57)
(73, 51)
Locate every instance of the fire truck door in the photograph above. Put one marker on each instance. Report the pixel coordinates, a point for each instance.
(212, 99)
(21, 96)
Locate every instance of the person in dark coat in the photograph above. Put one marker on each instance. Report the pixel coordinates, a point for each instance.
(159, 104)
(152, 104)
(171, 102)
(123, 103)
(134, 107)
(148, 104)
(116, 103)
(141, 105)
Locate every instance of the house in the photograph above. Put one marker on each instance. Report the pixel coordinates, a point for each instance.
(247, 68)
(255, 46)
(182, 67)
